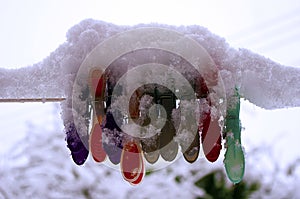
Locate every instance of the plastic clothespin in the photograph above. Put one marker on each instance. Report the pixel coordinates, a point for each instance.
(234, 156)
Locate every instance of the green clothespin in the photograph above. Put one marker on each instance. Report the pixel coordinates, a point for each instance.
(234, 156)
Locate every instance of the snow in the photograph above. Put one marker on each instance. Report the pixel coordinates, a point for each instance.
(261, 81)
(40, 166)
(31, 82)
(259, 78)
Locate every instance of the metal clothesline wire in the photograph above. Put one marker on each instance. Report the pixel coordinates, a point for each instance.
(23, 100)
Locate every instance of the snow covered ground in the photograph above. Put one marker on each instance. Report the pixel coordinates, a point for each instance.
(36, 163)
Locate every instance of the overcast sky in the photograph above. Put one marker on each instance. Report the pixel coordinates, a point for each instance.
(31, 29)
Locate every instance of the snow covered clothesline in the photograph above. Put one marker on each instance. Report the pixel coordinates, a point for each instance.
(67, 74)
(262, 81)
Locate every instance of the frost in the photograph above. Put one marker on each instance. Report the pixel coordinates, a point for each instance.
(230, 135)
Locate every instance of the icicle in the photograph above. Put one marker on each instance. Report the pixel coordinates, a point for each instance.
(234, 156)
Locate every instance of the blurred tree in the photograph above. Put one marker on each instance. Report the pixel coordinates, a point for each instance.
(214, 185)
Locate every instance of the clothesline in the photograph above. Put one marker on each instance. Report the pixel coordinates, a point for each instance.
(23, 100)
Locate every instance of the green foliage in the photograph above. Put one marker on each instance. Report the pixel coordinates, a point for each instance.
(214, 185)
(178, 179)
(86, 193)
(148, 172)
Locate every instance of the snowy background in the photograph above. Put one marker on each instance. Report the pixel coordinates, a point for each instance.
(34, 160)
